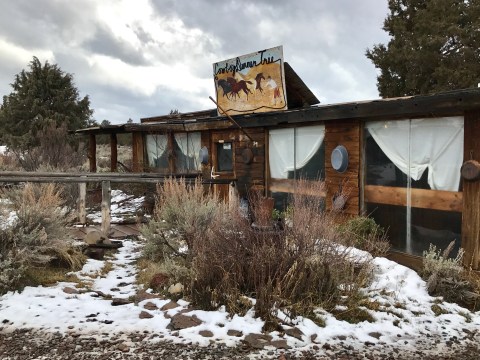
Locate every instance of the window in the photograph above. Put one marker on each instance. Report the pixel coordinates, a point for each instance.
(412, 177)
(157, 152)
(186, 147)
(297, 153)
(225, 156)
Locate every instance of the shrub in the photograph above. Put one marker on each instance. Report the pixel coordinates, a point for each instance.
(37, 235)
(364, 233)
(446, 277)
(297, 269)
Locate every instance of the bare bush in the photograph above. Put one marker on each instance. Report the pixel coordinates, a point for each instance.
(447, 277)
(37, 235)
(296, 270)
(363, 233)
(57, 150)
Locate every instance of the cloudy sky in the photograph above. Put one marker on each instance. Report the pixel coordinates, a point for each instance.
(141, 58)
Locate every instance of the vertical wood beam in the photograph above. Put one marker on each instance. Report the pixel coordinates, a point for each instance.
(106, 202)
(137, 152)
(471, 193)
(82, 212)
(92, 152)
(113, 152)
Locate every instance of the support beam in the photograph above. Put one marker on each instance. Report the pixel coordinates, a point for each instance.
(82, 212)
(92, 152)
(137, 152)
(471, 194)
(113, 152)
(106, 202)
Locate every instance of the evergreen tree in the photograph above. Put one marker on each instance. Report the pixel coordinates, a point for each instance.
(41, 96)
(434, 46)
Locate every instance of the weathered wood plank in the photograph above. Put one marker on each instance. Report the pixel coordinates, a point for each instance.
(113, 152)
(82, 196)
(137, 152)
(420, 198)
(471, 194)
(105, 208)
(92, 152)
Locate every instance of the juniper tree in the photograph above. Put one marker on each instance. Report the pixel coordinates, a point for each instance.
(434, 46)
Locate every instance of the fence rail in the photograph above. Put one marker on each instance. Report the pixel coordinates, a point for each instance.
(106, 179)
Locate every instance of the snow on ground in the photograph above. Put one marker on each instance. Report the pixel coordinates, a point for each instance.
(122, 205)
(404, 317)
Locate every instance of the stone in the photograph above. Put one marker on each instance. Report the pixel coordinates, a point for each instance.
(145, 315)
(280, 344)
(257, 341)
(180, 321)
(375, 335)
(294, 332)
(117, 302)
(175, 289)
(143, 295)
(206, 333)
(70, 290)
(159, 281)
(150, 306)
(169, 305)
(123, 347)
(235, 333)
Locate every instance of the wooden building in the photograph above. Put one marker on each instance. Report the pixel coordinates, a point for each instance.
(399, 160)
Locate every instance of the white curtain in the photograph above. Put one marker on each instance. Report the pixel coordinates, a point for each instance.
(293, 148)
(189, 144)
(156, 146)
(419, 144)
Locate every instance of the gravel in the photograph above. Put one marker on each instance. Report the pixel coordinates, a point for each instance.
(31, 344)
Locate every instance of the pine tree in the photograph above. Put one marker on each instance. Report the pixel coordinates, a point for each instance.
(434, 46)
(41, 96)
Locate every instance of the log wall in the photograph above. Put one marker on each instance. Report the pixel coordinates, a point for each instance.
(346, 133)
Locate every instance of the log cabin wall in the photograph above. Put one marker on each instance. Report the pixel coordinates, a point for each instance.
(346, 133)
(471, 194)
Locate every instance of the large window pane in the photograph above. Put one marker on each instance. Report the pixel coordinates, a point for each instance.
(424, 154)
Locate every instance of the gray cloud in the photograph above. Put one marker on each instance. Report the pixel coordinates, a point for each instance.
(126, 63)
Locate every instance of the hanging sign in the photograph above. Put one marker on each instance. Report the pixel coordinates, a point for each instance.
(251, 83)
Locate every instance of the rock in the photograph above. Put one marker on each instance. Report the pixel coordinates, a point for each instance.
(294, 332)
(122, 284)
(150, 306)
(117, 302)
(143, 295)
(236, 333)
(180, 321)
(70, 290)
(93, 236)
(159, 281)
(257, 341)
(175, 289)
(123, 347)
(280, 344)
(206, 333)
(169, 305)
(375, 335)
(145, 315)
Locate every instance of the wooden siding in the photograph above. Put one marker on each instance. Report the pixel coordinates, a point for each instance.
(346, 133)
(471, 194)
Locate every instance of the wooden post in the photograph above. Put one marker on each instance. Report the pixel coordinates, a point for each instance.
(92, 152)
(82, 213)
(471, 194)
(137, 152)
(113, 152)
(106, 201)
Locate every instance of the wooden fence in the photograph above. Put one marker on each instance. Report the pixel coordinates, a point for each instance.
(14, 177)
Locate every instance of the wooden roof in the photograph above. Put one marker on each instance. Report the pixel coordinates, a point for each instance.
(435, 105)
